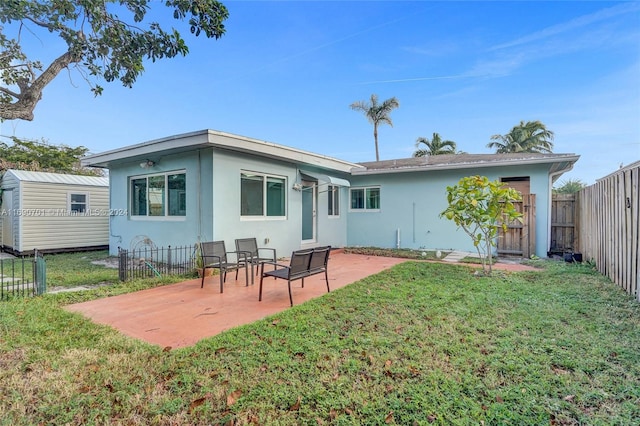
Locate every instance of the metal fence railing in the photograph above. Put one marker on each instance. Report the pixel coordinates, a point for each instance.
(155, 261)
(23, 276)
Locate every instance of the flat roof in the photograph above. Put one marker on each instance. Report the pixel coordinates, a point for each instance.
(215, 139)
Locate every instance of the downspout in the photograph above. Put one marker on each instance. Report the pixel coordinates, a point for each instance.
(398, 238)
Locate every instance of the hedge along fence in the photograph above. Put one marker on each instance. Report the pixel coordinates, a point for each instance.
(608, 221)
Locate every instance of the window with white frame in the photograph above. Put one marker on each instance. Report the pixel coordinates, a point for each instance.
(333, 194)
(365, 199)
(78, 202)
(262, 195)
(159, 195)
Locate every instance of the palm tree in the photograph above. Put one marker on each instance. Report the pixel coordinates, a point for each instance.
(435, 146)
(531, 136)
(376, 114)
(570, 186)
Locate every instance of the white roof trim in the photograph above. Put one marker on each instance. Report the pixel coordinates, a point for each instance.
(468, 165)
(217, 139)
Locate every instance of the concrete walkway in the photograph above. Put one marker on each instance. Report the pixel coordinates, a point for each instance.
(457, 256)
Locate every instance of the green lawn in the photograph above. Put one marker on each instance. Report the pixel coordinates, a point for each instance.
(419, 344)
(75, 269)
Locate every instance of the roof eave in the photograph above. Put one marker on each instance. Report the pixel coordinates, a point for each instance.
(216, 139)
(568, 160)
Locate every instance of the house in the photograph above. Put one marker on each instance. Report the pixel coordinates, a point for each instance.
(211, 185)
(412, 194)
(53, 212)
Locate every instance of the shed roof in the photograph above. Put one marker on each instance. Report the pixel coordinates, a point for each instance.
(45, 177)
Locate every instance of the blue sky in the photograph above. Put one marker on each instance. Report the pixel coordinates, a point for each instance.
(286, 72)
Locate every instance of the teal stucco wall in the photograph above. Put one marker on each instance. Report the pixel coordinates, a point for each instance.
(411, 202)
(213, 204)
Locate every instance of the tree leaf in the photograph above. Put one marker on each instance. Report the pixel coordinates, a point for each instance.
(233, 397)
(296, 406)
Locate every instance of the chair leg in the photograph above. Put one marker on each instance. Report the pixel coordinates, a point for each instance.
(204, 270)
(246, 275)
(302, 282)
(290, 296)
(260, 292)
(326, 277)
(223, 276)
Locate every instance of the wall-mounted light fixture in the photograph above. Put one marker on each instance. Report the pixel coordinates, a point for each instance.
(297, 186)
(147, 163)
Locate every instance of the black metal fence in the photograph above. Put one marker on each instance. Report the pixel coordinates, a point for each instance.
(23, 277)
(155, 261)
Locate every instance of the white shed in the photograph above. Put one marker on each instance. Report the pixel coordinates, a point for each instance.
(53, 212)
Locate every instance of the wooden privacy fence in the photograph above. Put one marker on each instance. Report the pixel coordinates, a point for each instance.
(519, 238)
(609, 212)
(563, 224)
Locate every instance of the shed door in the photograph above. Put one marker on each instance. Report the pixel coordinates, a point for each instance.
(6, 233)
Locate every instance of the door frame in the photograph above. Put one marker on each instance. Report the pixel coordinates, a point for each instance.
(309, 186)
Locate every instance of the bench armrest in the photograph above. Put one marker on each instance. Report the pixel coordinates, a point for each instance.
(276, 264)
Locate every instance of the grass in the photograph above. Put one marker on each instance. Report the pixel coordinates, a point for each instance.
(76, 269)
(419, 344)
(402, 253)
(87, 269)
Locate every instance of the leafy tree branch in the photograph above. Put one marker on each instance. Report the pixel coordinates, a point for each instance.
(480, 207)
(107, 40)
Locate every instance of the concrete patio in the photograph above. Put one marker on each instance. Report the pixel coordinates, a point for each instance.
(181, 314)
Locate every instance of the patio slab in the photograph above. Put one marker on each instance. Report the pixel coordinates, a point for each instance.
(181, 314)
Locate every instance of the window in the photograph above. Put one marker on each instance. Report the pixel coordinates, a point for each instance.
(262, 195)
(78, 203)
(159, 195)
(334, 200)
(365, 198)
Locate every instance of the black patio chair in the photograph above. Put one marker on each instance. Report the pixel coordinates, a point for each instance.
(297, 269)
(215, 256)
(255, 255)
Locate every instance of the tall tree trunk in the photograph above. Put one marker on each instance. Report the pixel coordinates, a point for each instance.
(375, 138)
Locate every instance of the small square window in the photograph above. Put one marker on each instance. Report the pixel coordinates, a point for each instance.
(365, 199)
(77, 203)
